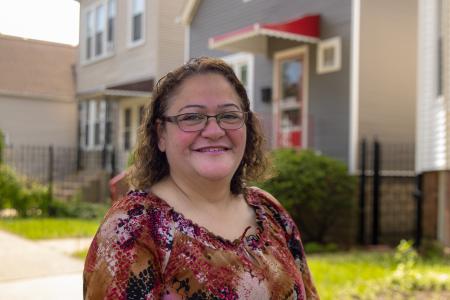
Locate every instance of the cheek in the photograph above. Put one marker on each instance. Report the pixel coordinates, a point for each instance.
(239, 137)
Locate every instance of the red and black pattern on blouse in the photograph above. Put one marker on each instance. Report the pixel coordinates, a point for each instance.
(144, 249)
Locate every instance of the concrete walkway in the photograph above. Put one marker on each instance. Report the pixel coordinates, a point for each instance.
(40, 270)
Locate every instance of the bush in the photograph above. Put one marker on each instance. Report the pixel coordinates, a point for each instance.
(10, 187)
(315, 189)
(2, 146)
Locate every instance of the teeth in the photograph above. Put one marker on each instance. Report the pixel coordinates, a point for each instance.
(212, 150)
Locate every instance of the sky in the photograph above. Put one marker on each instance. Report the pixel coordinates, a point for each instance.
(48, 20)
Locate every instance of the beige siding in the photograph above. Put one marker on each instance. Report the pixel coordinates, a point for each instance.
(170, 36)
(431, 115)
(28, 121)
(446, 57)
(126, 64)
(388, 70)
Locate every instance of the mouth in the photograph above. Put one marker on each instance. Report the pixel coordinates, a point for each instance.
(212, 149)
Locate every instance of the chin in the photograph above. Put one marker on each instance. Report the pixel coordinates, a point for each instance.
(216, 173)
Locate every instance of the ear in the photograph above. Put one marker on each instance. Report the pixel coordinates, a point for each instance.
(161, 136)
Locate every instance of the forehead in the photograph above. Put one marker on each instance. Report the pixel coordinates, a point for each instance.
(210, 90)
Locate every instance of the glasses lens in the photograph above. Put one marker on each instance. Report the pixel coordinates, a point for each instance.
(191, 121)
(231, 120)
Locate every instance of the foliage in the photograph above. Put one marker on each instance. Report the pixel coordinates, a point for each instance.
(315, 189)
(10, 187)
(47, 228)
(77, 209)
(80, 254)
(31, 199)
(313, 247)
(2, 146)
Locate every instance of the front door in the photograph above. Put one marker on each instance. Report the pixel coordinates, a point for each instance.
(290, 98)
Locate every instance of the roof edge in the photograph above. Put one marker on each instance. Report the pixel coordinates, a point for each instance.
(188, 12)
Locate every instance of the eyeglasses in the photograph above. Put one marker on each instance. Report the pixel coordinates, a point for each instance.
(189, 122)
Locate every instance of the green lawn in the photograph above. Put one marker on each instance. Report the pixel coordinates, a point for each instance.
(359, 272)
(48, 228)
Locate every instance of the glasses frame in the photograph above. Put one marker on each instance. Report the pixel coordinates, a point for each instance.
(175, 119)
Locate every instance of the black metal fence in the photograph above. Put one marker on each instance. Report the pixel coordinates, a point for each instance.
(388, 208)
(61, 167)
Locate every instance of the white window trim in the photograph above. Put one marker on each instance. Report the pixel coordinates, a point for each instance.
(130, 42)
(107, 53)
(92, 106)
(335, 43)
(237, 59)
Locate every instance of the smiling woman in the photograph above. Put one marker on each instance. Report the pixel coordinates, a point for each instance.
(195, 230)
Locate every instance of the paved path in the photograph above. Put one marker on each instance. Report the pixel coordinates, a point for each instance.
(39, 270)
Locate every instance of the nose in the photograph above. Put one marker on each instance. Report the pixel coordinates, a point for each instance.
(212, 129)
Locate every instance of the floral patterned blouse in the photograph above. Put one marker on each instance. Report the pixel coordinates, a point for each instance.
(144, 249)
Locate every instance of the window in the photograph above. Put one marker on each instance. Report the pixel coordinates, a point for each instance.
(112, 12)
(127, 129)
(243, 66)
(141, 115)
(329, 55)
(97, 123)
(108, 125)
(137, 22)
(89, 33)
(439, 68)
(86, 124)
(100, 27)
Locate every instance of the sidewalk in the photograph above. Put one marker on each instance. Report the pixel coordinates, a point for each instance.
(40, 270)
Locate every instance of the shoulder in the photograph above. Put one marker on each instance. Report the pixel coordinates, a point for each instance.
(272, 208)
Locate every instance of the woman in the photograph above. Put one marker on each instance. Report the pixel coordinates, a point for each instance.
(197, 232)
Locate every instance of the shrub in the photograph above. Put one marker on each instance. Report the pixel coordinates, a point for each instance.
(2, 146)
(315, 189)
(10, 187)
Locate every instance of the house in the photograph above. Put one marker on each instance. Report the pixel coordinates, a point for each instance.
(321, 74)
(37, 92)
(433, 118)
(325, 75)
(124, 47)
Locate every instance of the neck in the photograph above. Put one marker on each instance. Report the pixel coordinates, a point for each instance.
(201, 193)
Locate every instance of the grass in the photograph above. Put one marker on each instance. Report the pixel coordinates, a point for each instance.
(80, 254)
(359, 271)
(49, 228)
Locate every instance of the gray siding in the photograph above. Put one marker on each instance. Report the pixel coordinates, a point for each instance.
(328, 93)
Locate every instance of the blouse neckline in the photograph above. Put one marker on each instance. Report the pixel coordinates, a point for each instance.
(201, 231)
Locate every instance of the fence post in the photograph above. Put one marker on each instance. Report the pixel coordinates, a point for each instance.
(418, 195)
(50, 170)
(362, 194)
(376, 192)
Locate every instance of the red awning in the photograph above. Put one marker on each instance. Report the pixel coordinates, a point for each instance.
(255, 38)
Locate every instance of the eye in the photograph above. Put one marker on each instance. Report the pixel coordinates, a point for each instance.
(193, 117)
(230, 116)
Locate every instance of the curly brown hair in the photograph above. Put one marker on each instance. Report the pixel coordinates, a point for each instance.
(150, 164)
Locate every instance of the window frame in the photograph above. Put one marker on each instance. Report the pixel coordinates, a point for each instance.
(335, 44)
(106, 50)
(130, 42)
(236, 61)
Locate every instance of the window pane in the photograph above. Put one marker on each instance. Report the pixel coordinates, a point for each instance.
(291, 72)
(89, 33)
(138, 6)
(137, 27)
(141, 114)
(99, 18)
(127, 118)
(98, 43)
(112, 8)
(110, 31)
(243, 75)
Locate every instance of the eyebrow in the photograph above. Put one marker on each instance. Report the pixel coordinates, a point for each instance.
(203, 106)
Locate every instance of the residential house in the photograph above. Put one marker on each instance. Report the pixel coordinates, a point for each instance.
(433, 117)
(321, 74)
(37, 92)
(124, 47)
